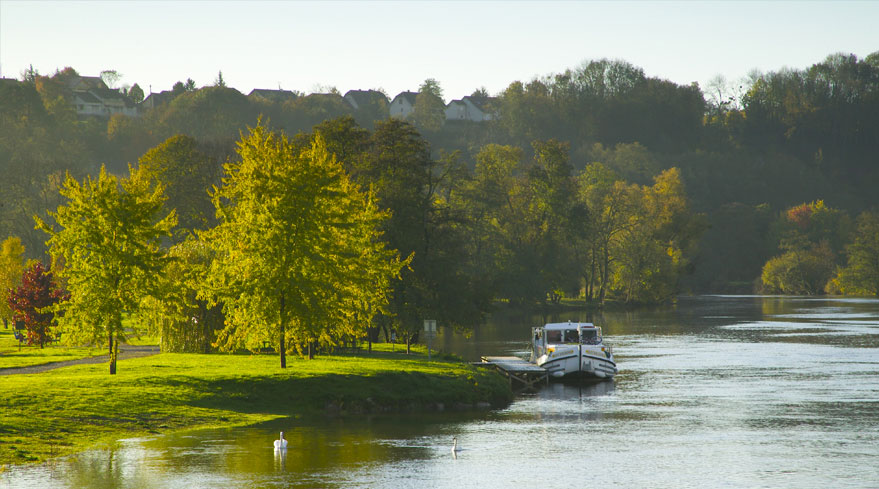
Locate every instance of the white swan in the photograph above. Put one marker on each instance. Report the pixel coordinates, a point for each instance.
(455, 447)
(281, 443)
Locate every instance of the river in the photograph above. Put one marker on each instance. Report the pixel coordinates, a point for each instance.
(716, 391)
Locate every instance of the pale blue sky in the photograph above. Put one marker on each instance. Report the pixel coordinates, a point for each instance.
(396, 45)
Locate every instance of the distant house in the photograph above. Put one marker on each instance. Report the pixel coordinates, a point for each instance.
(154, 100)
(403, 104)
(85, 83)
(92, 98)
(474, 109)
(277, 96)
(115, 102)
(8, 82)
(102, 102)
(87, 104)
(456, 110)
(365, 98)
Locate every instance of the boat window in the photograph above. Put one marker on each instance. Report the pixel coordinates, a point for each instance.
(553, 336)
(590, 337)
(571, 336)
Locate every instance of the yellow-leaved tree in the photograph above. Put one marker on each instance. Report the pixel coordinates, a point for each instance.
(106, 247)
(299, 259)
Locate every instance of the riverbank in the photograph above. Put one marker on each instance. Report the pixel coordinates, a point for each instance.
(74, 408)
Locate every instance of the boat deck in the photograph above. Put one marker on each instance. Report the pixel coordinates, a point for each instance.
(522, 375)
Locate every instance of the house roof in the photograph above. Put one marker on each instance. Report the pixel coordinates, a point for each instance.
(274, 95)
(86, 97)
(159, 98)
(87, 83)
(456, 102)
(361, 97)
(408, 96)
(481, 103)
(108, 94)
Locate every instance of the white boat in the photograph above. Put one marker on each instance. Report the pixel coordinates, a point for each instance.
(572, 350)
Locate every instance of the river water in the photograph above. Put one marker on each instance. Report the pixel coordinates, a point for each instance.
(738, 392)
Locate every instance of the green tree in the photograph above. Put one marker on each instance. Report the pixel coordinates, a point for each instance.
(658, 243)
(183, 321)
(298, 254)
(136, 93)
(11, 268)
(108, 238)
(861, 274)
(187, 174)
(429, 114)
(811, 237)
(612, 206)
(799, 272)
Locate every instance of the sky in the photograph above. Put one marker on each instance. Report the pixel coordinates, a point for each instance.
(395, 46)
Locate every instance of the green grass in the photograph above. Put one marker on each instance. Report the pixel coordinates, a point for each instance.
(13, 356)
(73, 408)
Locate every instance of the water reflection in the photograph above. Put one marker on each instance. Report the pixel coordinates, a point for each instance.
(713, 392)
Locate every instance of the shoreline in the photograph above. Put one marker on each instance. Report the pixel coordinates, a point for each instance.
(71, 409)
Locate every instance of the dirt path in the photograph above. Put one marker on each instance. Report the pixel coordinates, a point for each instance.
(125, 352)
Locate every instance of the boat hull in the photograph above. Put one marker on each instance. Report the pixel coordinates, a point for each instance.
(589, 366)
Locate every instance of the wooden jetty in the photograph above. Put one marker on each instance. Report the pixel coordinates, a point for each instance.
(521, 374)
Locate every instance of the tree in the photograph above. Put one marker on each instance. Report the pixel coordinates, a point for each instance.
(111, 77)
(810, 236)
(428, 113)
(183, 321)
(220, 82)
(298, 254)
(186, 174)
(108, 238)
(11, 268)
(611, 202)
(136, 93)
(861, 274)
(799, 271)
(30, 75)
(31, 302)
(658, 243)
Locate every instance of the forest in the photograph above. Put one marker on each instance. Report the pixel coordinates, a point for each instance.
(598, 183)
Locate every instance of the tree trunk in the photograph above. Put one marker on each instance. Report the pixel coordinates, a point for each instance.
(311, 349)
(282, 347)
(112, 355)
(408, 344)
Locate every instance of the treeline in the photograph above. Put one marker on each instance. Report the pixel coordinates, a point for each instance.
(342, 233)
(744, 151)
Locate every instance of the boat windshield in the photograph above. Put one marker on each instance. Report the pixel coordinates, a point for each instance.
(562, 336)
(590, 336)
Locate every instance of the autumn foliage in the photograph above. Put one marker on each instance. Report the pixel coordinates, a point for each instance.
(30, 302)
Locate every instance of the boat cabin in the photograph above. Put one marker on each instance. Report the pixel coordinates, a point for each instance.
(552, 335)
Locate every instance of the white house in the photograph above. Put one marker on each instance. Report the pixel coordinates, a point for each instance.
(456, 110)
(469, 109)
(479, 108)
(403, 104)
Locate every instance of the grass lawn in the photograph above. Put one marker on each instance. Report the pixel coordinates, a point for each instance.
(10, 356)
(73, 408)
